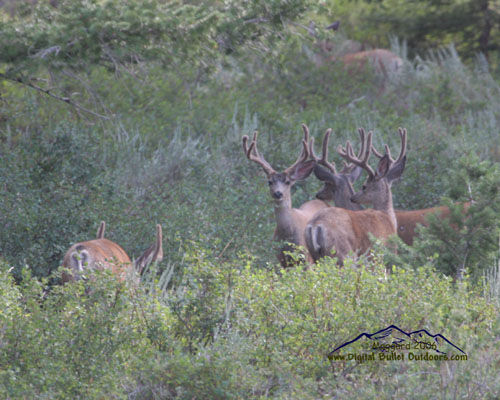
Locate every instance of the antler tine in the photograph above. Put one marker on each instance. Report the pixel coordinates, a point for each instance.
(403, 135)
(253, 154)
(305, 152)
(380, 155)
(362, 138)
(306, 132)
(311, 150)
(324, 152)
(348, 154)
(349, 166)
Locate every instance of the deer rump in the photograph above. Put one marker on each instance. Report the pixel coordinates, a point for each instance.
(345, 231)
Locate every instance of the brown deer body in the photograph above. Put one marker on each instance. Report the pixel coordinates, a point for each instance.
(102, 253)
(290, 222)
(347, 231)
(354, 56)
(384, 62)
(409, 219)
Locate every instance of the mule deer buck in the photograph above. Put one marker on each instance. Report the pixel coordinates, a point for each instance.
(337, 185)
(408, 220)
(348, 231)
(290, 222)
(102, 253)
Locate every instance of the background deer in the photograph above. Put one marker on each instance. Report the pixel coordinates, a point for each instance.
(290, 222)
(102, 253)
(383, 61)
(348, 231)
(353, 54)
(408, 220)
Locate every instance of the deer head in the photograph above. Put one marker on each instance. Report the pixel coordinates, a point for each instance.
(337, 185)
(377, 188)
(280, 183)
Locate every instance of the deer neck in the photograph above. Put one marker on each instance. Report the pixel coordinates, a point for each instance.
(342, 202)
(386, 205)
(285, 221)
(343, 196)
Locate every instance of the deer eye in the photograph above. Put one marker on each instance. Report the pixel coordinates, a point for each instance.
(270, 182)
(287, 182)
(364, 187)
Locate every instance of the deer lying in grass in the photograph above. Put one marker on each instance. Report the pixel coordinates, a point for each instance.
(348, 231)
(102, 253)
(384, 62)
(290, 222)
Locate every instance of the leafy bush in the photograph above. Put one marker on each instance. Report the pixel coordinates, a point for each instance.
(64, 343)
(468, 240)
(235, 330)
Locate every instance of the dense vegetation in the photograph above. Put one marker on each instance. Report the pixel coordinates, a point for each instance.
(133, 113)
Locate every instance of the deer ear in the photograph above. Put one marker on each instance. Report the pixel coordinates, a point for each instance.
(153, 254)
(302, 171)
(383, 167)
(396, 170)
(323, 174)
(101, 230)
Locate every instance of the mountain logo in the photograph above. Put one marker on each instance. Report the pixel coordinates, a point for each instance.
(398, 337)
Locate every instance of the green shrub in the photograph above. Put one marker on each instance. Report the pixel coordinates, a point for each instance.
(66, 343)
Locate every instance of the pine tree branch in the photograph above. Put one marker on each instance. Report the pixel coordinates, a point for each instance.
(66, 100)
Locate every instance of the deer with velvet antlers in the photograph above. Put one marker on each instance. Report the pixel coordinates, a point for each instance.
(409, 219)
(102, 253)
(290, 222)
(337, 186)
(347, 231)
